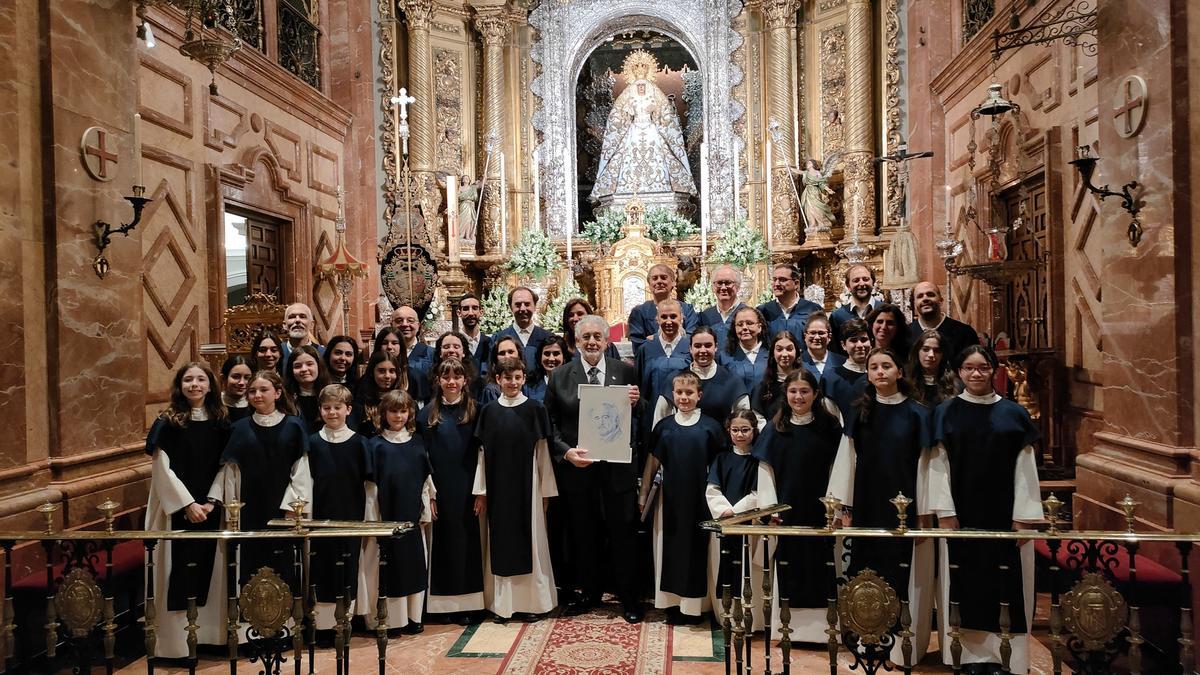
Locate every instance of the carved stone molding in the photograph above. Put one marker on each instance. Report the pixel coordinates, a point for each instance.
(833, 89)
(419, 14)
(447, 95)
(568, 32)
(492, 26)
(779, 13)
(892, 101)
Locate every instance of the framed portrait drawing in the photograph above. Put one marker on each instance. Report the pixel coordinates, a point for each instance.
(605, 421)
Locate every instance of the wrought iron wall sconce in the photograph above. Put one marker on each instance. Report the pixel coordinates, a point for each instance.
(1086, 165)
(104, 231)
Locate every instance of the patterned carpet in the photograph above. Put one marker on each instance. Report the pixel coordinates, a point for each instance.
(597, 642)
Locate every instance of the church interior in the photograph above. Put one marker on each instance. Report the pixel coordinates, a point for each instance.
(182, 173)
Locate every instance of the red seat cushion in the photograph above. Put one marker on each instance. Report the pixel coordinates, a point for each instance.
(128, 557)
(1148, 571)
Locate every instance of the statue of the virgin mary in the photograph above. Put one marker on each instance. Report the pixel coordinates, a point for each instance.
(643, 151)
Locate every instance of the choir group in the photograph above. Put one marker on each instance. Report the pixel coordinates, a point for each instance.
(476, 439)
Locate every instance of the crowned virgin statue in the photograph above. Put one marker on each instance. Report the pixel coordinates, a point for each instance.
(643, 151)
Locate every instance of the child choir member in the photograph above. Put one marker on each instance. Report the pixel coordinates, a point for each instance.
(550, 355)
(504, 347)
(305, 376)
(683, 445)
(265, 466)
(266, 352)
(513, 483)
(796, 453)
(337, 460)
(235, 380)
(891, 451)
(817, 357)
(783, 356)
(989, 444)
(723, 391)
(447, 428)
(732, 488)
(746, 356)
(929, 369)
(384, 373)
(343, 359)
(846, 384)
(185, 443)
(400, 488)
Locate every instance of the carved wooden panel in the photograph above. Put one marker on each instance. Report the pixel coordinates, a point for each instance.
(1027, 298)
(263, 256)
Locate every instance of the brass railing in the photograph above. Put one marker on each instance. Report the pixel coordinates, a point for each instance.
(275, 608)
(1093, 626)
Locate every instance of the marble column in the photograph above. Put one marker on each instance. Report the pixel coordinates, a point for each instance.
(1148, 445)
(859, 158)
(493, 27)
(779, 16)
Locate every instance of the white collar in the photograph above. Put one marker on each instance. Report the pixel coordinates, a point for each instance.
(939, 323)
(269, 420)
(753, 350)
(460, 400)
(687, 419)
(739, 451)
(987, 399)
(787, 311)
(512, 402)
(308, 391)
(336, 435)
(522, 331)
(853, 367)
(199, 414)
(800, 420)
(669, 347)
(230, 403)
(402, 436)
(725, 315)
(866, 310)
(473, 338)
(820, 360)
(930, 379)
(600, 370)
(705, 373)
(891, 399)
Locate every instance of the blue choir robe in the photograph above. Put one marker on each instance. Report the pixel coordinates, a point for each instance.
(455, 546)
(844, 386)
(892, 452)
(653, 361)
(721, 393)
(535, 387)
(643, 322)
(794, 322)
(684, 444)
(420, 358)
(795, 465)
(739, 364)
(721, 328)
(337, 460)
(482, 353)
(838, 318)
(537, 336)
(989, 442)
(832, 361)
(400, 488)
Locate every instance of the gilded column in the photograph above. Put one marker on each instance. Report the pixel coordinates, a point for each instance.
(859, 130)
(493, 26)
(419, 14)
(779, 15)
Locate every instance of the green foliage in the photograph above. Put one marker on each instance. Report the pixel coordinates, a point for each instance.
(666, 225)
(533, 256)
(700, 296)
(765, 296)
(605, 230)
(496, 315)
(552, 317)
(741, 247)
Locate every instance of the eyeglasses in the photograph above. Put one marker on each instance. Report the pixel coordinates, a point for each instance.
(981, 370)
(817, 333)
(724, 283)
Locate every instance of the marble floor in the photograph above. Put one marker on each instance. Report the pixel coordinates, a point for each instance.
(598, 642)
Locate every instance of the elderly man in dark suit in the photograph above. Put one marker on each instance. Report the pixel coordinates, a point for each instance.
(600, 498)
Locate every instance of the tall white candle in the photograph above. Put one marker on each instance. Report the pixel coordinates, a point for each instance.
(949, 203)
(767, 176)
(137, 149)
(503, 208)
(452, 218)
(537, 190)
(737, 177)
(705, 186)
(569, 225)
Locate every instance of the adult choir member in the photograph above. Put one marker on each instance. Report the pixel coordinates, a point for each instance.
(929, 371)
(719, 317)
(860, 284)
(745, 353)
(479, 344)
(818, 358)
(417, 355)
(927, 305)
(783, 356)
(522, 302)
(788, 311)
(886, 323)
(550, 355)
(643, 319)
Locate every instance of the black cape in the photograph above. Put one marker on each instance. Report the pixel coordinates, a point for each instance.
(983, 443)
(310, 411)
(339, 472)
(685, 453)
(399, 471)
(266, 456)
(801, 459)
(767, 397)
(194, 454)
(735, 476)
(456, 556)
(718, 396)
(888, 447)
(509, 437)
(844, 387)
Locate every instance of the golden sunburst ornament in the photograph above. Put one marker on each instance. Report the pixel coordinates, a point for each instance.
(640, 65)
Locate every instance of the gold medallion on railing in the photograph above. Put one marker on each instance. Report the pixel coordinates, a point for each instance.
(1094, 611)
(266, 602)
(79, 603)
(868, 606)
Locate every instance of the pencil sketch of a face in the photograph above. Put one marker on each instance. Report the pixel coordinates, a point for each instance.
(607, 421)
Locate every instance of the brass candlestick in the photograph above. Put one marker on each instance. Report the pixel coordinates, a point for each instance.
(47, 510)
(298, 505)
(1052, 505)
(1128, 505)
(233, 512)
(901, 503)
(832, 504)
(108, 507)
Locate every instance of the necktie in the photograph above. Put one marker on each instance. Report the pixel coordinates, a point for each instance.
(593, 375)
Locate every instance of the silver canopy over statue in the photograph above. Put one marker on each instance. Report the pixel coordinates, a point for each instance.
(643, 151)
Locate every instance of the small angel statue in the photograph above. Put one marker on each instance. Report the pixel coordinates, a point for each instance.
(814, 207)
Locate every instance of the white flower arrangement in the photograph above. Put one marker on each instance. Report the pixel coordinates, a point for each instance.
(741, 247)
(496, 315)
(665, 225)
(433, 313)
(605, 230)
(552, 316)
(701, 295)
(533, 256)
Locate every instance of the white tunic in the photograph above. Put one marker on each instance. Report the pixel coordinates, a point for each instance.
(718, 504)
(980, 646)
(532, 593)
